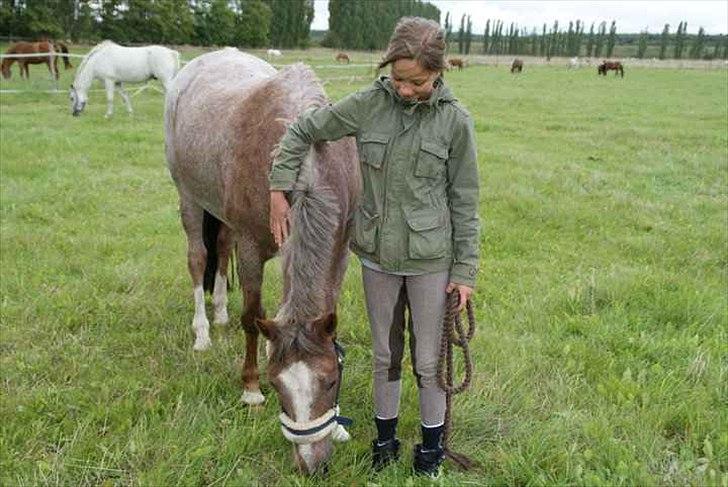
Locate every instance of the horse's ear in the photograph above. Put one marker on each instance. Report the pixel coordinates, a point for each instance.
(325, 326)
(268, 328)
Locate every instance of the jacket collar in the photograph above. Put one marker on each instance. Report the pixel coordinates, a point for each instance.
(441, 93)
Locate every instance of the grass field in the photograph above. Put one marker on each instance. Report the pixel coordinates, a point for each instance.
(601, 346)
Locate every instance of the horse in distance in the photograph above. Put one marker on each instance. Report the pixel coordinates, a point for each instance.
(456, 62)
(41, 52)
(115, 65)
(615, 66)
(516, 66)
(342, 57)
(62, 48)
(225, 114)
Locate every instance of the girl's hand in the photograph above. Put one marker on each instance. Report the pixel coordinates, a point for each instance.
(280, 211)
(464, 293)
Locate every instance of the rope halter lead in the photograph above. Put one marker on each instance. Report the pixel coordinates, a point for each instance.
(454, 335)
(329, 423)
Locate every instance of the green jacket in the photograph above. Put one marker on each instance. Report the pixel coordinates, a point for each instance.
(419, 207)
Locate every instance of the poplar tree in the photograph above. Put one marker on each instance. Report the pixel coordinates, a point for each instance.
(600, 39)
(486, 35)
(468, 36)
(590, 41)
(461, 35)
(642, 44)
(664, 38)
(612, 38)
(696, 52)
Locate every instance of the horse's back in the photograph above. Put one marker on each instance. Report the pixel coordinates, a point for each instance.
(208, 127)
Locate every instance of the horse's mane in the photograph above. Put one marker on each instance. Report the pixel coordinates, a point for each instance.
(315, 209)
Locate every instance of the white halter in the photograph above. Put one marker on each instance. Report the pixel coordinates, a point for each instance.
(329, 423)
(306, 432)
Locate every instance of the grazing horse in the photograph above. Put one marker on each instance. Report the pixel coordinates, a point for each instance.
(62, 48)
(456, 62)
(114, 64)
(517, 65)
(46, 54)
(343, 58)
(271, 53)
(226, 112)
(610, 65)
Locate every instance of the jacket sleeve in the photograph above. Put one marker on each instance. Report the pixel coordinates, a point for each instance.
(462, 191)
(330, 122)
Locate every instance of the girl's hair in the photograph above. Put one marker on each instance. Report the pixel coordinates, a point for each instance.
(416, 38)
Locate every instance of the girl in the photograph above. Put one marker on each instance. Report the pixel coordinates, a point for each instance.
(416, 230)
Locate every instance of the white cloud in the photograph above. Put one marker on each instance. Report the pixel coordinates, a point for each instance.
(631, 16)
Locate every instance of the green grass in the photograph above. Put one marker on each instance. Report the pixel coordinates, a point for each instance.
(600, 352)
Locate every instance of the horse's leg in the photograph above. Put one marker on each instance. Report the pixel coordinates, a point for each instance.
(53, 67)
(219, 294)
(125, 97)
(109, 84)
(192, 216)
(250, 273)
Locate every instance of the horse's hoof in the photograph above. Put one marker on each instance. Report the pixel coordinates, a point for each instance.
(202, 344)
(252, 398)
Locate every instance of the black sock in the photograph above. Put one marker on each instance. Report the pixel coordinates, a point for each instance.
(431, 437)
(386, 429)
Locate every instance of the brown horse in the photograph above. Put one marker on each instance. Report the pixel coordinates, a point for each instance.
(225, 114)
(46, 54)
(616, 66)
(342, 57)
(517, 65)
(456, 62)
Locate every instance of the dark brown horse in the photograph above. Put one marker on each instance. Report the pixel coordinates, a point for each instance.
(456, 62)
(225, 114)
(60, 47)
(616, 66)
(517, 65)
(45, 51)
(342, 57)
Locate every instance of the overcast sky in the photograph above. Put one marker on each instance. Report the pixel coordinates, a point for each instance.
(631, 16)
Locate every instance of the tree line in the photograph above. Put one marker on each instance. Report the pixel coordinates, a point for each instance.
(353, 24)
(248, 23)
(365, 25)
(573, 41)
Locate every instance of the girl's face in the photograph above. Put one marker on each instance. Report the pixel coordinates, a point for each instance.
(412, 81)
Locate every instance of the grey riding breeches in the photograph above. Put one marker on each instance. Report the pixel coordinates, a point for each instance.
(388, 296)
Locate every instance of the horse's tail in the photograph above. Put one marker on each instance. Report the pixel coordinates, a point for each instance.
(66, 62)
(210, 231)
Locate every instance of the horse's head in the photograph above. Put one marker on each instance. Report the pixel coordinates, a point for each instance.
(305, 370)
(78, 101)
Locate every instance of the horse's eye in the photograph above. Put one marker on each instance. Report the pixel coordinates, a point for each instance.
(330, 385)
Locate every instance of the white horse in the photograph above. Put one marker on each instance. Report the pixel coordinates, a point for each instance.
(574, 63)
(271, 53)
(114, 64)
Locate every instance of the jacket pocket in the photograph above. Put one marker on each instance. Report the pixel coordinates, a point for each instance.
(429, 233)
(431, 160)
(365, 230)
(373, 148)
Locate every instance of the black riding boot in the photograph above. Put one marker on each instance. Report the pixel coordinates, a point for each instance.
(427, 462)
(384, 453)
